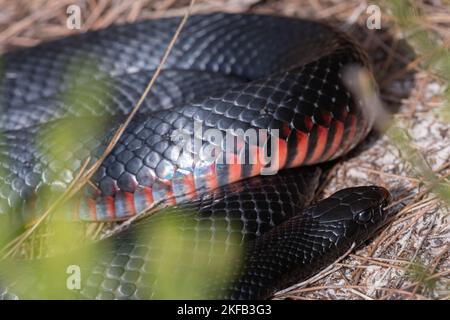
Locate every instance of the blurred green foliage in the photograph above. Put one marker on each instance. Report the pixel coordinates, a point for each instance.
(435, 58)
(426, 42)
(190, 258)
(57, 236)
(418, 272)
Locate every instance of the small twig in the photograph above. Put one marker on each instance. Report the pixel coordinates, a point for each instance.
(344, 287)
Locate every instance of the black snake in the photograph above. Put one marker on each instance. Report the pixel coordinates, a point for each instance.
(228, 72)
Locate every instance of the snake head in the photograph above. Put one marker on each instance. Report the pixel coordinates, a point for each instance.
(360, 211)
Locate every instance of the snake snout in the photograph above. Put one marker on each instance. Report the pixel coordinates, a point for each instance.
(363, 205)
(373, 205)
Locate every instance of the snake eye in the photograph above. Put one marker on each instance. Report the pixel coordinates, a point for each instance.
(365, 216)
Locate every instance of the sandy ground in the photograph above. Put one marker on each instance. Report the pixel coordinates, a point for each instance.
(409, 259)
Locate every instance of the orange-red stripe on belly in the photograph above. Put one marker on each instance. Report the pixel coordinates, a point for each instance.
(189, 184)
(337, 140)
(92, 207)
(322, 134)
(234, 169)
(148, 195)
(302, 139)
(110, 207)
(129, 203)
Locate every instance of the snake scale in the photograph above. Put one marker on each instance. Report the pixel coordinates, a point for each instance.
(227, 72)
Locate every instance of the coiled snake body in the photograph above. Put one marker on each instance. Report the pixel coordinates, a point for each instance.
(227, 72)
